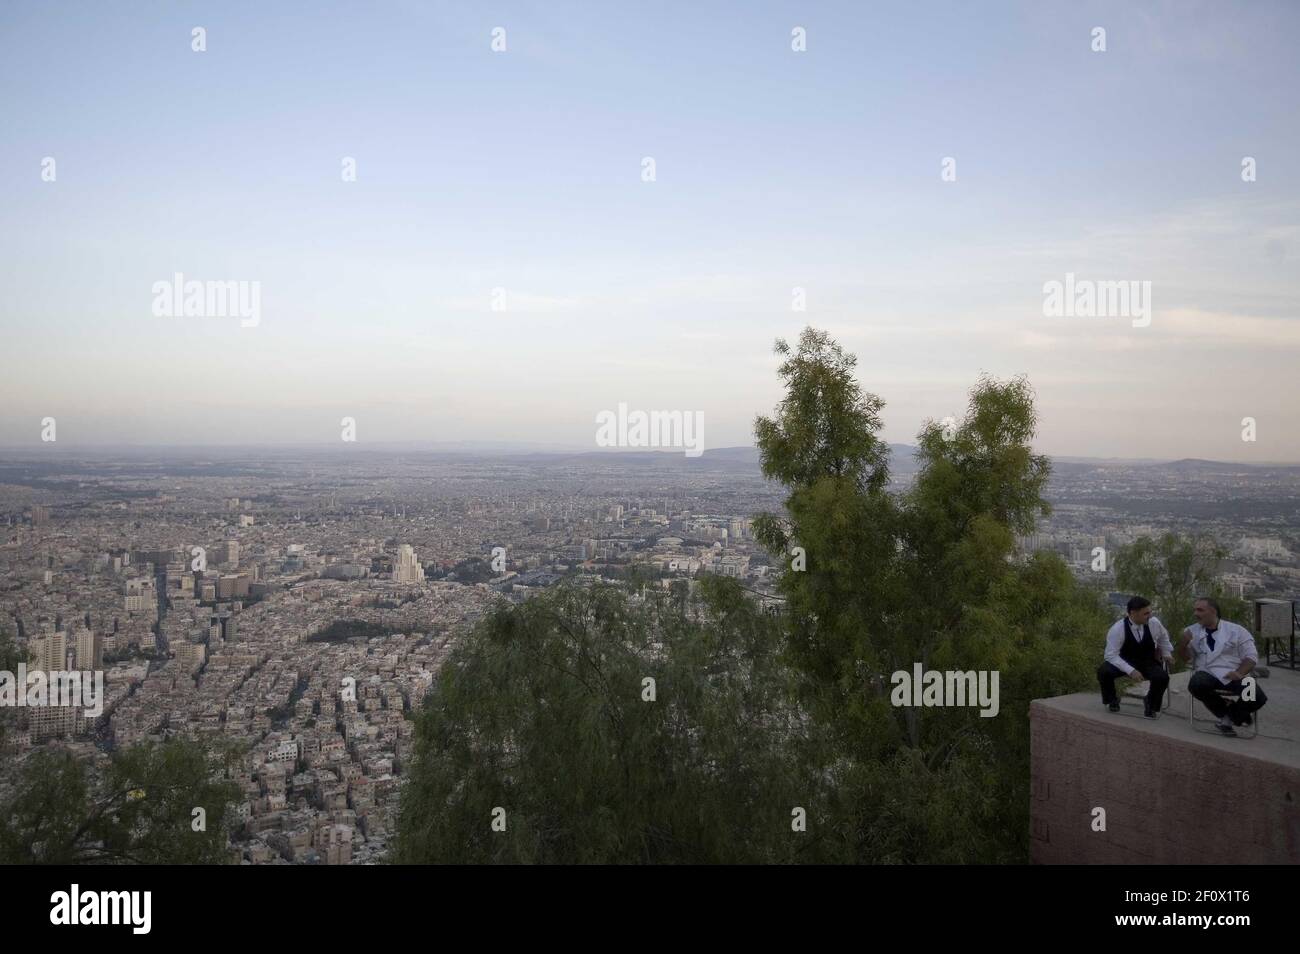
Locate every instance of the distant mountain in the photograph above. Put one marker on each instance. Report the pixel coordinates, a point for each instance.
(1196, 463)
(724, 459)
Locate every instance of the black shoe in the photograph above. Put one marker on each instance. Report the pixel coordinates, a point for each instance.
(1113, 706)
(1150, 713)
(1225, 729)
(1244, 720)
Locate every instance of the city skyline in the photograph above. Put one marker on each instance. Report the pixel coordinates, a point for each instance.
(177, 453)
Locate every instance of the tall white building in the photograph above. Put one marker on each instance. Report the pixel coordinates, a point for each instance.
(90, 650)
(406, 568)
(50, 652)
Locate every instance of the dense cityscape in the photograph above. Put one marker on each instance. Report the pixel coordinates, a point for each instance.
(299, 604)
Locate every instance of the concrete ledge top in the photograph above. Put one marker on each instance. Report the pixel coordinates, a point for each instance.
(1277, 742)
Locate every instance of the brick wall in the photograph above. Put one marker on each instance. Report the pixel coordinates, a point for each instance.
(1167, 800)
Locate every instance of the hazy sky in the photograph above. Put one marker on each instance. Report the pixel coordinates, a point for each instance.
(522, 170)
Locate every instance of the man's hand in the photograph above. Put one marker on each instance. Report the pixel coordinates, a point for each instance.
(1230, 678)
(1136, 675)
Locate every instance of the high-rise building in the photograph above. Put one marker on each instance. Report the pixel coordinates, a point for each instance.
(49, 653)
(90, 649)
(40, 516)
(406, 568)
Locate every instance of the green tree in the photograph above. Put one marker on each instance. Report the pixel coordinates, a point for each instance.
(139, 810)
(545, 711)
(10, 657)
(929, 576)
(838, 542)
(1172, 571)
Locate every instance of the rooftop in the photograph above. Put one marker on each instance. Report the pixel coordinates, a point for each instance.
(1109, 788)
(1278, 741)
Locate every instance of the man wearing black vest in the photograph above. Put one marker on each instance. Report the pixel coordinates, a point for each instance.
(1138, 645)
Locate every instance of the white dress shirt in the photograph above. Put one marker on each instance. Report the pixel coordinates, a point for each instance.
(1115, 641)
(1233, 645)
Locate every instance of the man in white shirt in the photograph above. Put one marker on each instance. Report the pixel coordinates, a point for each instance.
(1224, 655)
(1137, 646)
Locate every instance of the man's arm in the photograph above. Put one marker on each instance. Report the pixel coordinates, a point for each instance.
(1185, 645)
(1114, 643)
(1249, 659)
(1162, 640)
(1241, 672)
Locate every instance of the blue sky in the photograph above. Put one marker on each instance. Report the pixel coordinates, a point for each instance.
(521, 170)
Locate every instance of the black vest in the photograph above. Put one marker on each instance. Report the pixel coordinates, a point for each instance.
(1135, 653)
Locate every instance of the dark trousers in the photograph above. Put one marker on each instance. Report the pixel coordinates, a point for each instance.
(1155, 673)
(1206, 687)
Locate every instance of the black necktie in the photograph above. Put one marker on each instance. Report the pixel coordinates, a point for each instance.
(1209, 638)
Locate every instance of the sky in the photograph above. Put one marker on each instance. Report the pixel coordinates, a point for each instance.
(517, 177)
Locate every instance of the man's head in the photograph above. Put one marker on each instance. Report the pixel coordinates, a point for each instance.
(1207, 612)
(1139, 610)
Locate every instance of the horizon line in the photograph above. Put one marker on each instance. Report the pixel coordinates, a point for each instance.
(517, 448)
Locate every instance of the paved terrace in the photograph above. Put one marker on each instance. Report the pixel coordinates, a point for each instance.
(1173, 793)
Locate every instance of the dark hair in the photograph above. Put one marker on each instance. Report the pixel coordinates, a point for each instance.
(1137, 603)
(1213, 603)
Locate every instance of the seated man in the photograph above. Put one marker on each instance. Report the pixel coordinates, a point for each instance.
(1224, 654)
(1138, 645)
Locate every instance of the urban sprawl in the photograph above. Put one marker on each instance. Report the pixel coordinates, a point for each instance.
(301, 604)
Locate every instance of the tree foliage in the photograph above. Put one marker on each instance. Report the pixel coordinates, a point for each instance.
(928, 576)
(1172, 571)
(10, 657)
(139, 810)
(545, 712)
